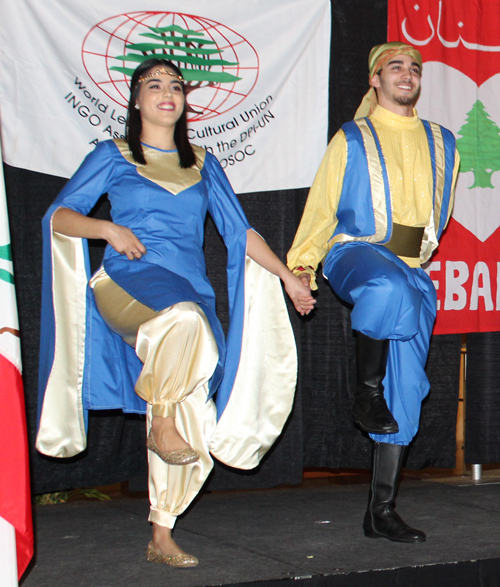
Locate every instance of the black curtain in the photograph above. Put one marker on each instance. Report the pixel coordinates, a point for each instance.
(320, 432)
(482, 406)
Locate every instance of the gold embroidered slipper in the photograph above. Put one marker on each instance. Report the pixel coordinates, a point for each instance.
(184, 456)
(173, 560)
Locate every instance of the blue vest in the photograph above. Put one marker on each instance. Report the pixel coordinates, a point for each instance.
(366, 186)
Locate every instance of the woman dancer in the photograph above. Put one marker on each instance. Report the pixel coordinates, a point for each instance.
(148, 318)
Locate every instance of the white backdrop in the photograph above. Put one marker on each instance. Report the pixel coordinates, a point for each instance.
(59, 94)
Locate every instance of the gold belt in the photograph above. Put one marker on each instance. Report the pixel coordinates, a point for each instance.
(406, 241)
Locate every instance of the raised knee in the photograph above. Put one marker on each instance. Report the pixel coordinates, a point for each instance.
(190, 314)
(393, 288)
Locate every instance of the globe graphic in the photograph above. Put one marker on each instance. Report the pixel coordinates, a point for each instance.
(109, 40)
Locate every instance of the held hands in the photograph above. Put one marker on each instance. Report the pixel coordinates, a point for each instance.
(299, 292)
(306, 279)
(124, 241)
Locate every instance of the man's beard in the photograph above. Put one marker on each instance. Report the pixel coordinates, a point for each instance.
(407, 100)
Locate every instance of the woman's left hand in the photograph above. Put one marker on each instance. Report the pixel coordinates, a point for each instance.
(299, 293)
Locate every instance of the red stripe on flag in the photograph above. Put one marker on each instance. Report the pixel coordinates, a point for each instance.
(15, 495)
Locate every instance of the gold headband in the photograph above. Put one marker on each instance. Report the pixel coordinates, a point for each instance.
(161, 71)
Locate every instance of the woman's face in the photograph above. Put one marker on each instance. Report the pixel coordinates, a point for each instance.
(161, 99)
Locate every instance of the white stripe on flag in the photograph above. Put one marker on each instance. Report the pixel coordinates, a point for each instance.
(8, 560)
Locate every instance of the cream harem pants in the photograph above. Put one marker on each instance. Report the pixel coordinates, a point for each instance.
(179, 353)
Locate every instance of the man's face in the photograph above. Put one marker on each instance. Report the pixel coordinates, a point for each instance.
(398, 82)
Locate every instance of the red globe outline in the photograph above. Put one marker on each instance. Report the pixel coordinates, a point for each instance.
(207, 25)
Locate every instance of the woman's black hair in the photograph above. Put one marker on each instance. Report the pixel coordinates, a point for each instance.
(133, 128)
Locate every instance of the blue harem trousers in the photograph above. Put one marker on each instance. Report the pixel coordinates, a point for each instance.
(391, 301)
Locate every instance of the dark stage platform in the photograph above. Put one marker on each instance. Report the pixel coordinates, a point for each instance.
(309, 535)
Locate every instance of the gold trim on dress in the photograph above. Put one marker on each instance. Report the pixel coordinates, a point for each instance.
(163, 167)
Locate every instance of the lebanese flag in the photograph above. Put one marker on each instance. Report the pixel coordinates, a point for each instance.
(15, 497)
(460, 45)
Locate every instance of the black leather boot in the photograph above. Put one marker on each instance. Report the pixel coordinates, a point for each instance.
(370, 409)
(381, 520)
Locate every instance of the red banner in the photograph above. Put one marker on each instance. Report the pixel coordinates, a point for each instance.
(460, 45)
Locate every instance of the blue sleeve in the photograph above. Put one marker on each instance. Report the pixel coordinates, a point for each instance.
(92, 179)
(223, 205)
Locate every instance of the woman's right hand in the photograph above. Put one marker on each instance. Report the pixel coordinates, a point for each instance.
(124, 241)
(121, 238)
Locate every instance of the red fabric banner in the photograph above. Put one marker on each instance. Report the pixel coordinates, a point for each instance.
(460, 45)
(15, 495)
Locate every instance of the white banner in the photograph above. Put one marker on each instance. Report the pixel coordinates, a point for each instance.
(256, 71)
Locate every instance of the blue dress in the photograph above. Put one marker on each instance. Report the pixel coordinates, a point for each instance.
(170, 224)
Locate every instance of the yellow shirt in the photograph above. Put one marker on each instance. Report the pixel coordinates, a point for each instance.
(406, 154)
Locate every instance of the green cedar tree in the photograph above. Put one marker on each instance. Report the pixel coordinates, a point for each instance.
(479, 146)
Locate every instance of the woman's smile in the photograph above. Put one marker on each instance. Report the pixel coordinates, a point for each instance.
(161, 101)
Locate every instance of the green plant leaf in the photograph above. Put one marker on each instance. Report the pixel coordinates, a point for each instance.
(65, 496)
(52, 498)
(92, 494)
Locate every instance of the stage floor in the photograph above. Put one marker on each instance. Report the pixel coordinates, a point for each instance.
(256, 536)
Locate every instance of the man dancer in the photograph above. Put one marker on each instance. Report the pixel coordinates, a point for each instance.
(378, 205)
